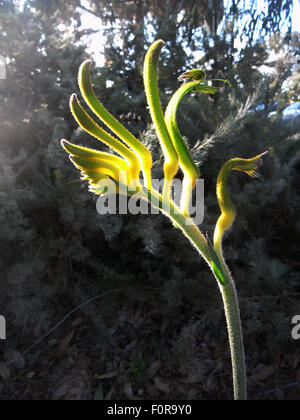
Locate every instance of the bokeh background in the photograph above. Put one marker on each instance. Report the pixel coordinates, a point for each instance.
(142, 316)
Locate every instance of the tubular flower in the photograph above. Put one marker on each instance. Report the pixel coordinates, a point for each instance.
(96, 166)
(142, 154)
(156, 112)
(194, 81)
(228, 211)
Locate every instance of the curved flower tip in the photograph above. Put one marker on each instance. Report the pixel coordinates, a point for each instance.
(249, 166)
(196, 74)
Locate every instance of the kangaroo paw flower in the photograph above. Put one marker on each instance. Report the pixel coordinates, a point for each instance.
(96, 166)
(228, 211)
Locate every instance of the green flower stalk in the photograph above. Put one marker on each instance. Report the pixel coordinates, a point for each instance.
(133, 158)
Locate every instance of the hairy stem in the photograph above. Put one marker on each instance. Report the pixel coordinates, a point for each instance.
(228, 290)
(180, 220)
(235, 335)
